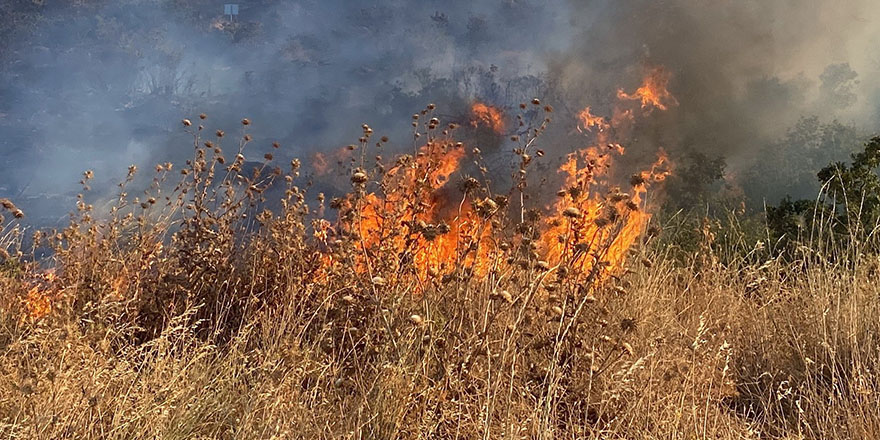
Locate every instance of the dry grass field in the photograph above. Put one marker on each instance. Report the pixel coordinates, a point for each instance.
(421, 304)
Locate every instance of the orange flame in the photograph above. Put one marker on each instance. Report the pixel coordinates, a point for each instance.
(489, 116)
(589, 121)
(41, 296)
(653, 91)
(589, 232)
(419, 226)
(415, 226)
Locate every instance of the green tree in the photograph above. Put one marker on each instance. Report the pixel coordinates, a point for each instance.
(850, 202)
(855, 189)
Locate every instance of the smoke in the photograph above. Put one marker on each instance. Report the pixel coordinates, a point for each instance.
(743, 71)
(103, 84)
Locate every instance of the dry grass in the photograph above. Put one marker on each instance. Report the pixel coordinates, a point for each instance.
(194, 312)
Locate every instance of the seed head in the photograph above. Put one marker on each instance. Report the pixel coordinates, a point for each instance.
(186, 122)
(245, 121)
(620, 196)
(628, 324)
(572, 212)
(636, 180)
(359, 177)
(502, 295)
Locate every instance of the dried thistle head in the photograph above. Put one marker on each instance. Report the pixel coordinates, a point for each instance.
(619, 197)
(636, 180)
(487, 207)
(359, 177)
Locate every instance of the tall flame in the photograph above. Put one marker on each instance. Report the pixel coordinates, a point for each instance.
(418, 224)
(414, 225)
(591, 232)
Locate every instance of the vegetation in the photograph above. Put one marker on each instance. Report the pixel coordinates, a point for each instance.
(207, 309)
(847, 209)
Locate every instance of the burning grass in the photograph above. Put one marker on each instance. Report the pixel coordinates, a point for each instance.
(428, 304)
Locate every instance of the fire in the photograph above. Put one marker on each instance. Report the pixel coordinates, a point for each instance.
(415, 223)
(591, 232)
(489, 116)
(589, 121)
(119, 285)
(41, 296)
(408, 222)
(653, 91)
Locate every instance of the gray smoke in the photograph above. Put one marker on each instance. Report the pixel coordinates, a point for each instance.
(743, 71)
(103, 84)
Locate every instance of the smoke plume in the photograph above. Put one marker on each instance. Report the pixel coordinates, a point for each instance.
(103, 84)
